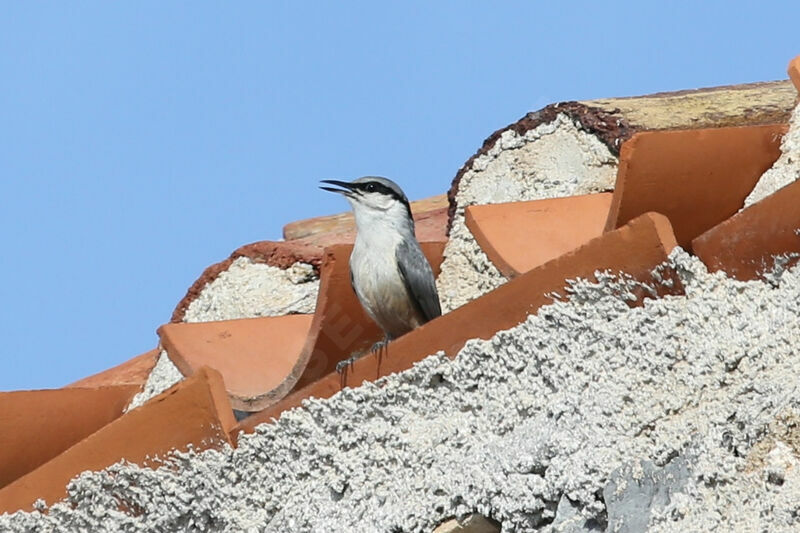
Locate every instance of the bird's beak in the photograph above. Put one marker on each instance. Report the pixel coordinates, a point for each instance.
(346, 188)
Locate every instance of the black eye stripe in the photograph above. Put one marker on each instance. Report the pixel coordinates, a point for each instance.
(374, 186)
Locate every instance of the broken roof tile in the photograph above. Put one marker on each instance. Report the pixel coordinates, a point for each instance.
(636, 249)
(257, 357)
(37, 425)
(745, 246)
(195, 413)
(519, 236)
(697, 178)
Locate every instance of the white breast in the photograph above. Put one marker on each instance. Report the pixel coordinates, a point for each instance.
(380, 287)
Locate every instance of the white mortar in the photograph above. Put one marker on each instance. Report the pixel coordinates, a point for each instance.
(163, 376)
(786, 169)
(552, 160)
(247, 289)
(518, 428)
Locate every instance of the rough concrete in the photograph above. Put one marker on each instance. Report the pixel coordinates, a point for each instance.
(786, 169)
(530, 428)
(163, 376)
(248, 289)
(555, 159)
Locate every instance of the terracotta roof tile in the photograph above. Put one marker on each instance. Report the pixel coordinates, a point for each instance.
(344, 222)
(745, 245)
(697, 178)
(519, 236)
(794, 72)
(37, 425)
(257, 357)
(635, 248)
(131, 372)
(195, 412)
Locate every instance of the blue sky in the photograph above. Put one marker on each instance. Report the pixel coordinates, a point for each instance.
(141, 142)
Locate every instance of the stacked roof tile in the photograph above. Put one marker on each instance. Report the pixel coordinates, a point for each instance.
(567, 192)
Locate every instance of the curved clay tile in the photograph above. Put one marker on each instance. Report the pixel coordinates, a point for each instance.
(64, 416)
(132, 372)
(257, 357)
(746, 245)
(696, 177)
(794, 72)
(194, 414)
(519, 236)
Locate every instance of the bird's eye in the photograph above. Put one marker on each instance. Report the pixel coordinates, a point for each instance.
(369, 187)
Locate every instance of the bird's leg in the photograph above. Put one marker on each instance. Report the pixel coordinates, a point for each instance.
(380, 348)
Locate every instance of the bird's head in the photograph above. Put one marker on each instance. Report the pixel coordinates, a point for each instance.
(374, 200)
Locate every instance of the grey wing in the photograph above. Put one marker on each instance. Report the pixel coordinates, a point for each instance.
(418, 278)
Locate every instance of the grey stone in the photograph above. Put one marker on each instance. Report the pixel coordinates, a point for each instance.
(636, 489)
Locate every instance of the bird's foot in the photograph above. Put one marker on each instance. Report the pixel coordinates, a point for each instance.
(380, 346)
(343, 367)
(345, 364)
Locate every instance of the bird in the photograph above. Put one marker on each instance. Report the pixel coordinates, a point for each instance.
(390, 275)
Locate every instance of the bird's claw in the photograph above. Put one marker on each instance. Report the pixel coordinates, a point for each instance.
(379, 347)
(342, 367)
(345, 364)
